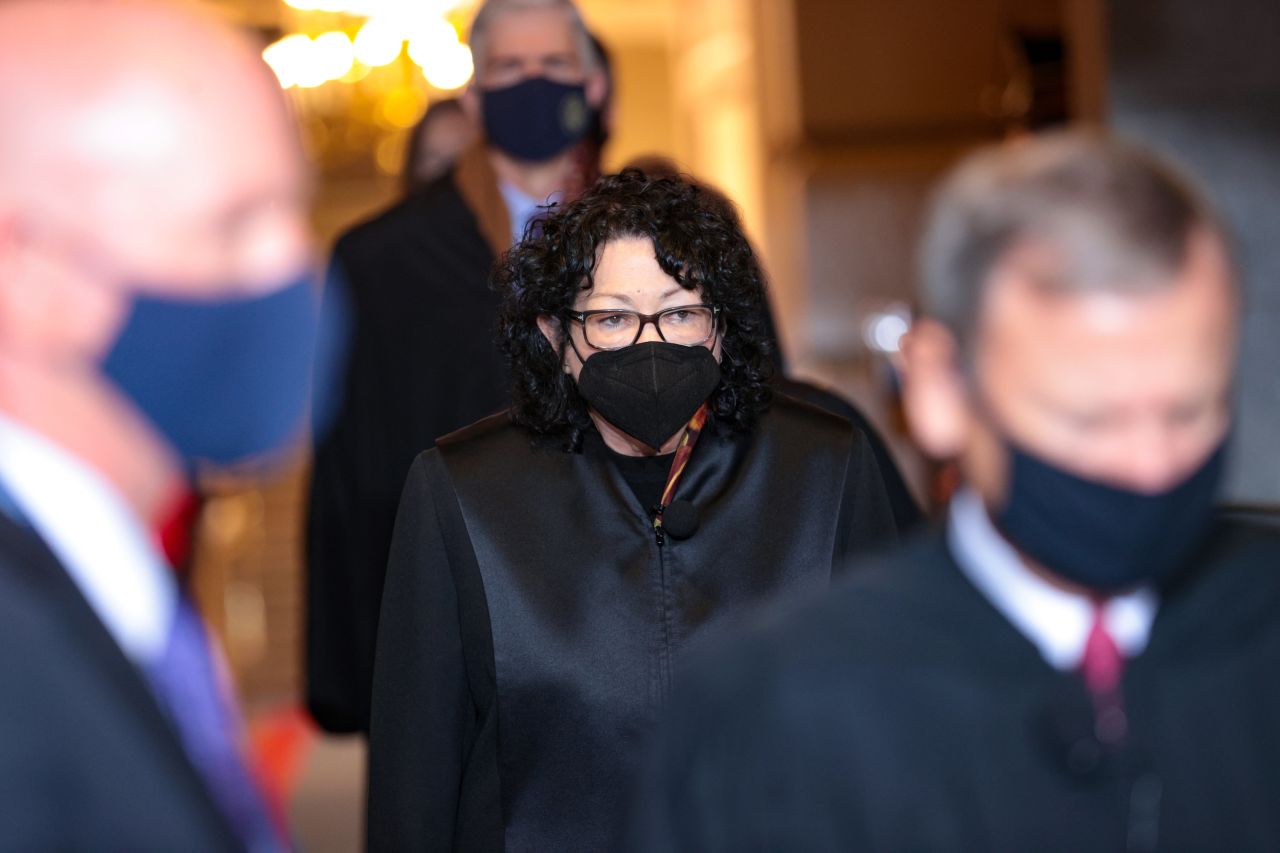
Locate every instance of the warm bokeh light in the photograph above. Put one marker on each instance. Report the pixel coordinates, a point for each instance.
(362, 71)
(306, 63)
(402, 107)
(370, 8)
(287, 57)
(334, 55)
(378, 43)
(389, 154)
(431, 37)
(451, 68)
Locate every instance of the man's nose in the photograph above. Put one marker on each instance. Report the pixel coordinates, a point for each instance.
(1154, 460)
(531, 67)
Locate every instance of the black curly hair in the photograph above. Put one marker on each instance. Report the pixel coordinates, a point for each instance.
(697, 240)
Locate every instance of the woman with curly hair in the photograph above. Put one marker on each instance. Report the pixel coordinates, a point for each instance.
(550, 564)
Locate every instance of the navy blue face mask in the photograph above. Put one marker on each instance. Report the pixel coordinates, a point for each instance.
(228, 380)
(535, 119)
(1103, 537)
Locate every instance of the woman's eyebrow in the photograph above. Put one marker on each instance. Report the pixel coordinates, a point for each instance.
(621, 297)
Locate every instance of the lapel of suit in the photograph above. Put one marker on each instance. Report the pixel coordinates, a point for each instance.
(110, 678)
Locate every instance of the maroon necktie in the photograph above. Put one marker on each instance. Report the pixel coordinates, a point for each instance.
(173, 531)
(1102, 667)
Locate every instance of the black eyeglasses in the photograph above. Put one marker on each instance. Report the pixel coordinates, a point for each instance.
(687, 325)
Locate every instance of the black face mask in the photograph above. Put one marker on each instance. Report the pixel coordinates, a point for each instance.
(1100, 536)
(650, 390)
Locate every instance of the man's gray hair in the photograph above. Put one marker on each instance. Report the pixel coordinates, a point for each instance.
(493, 8)
(1117, 217)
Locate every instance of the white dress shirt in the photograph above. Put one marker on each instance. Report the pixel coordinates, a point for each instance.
(522, 207)
(1055, 620)
(99, 540)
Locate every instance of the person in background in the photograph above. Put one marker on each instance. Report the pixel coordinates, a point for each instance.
(440, 136)
(1085, 659)
(424, 360)
(155, 320)
(551, 564)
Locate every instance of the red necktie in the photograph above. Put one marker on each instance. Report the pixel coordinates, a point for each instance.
(174, 528)
(1101, 668)
(1102, 663)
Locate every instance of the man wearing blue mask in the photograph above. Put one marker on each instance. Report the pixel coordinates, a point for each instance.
(157, 317)
(1086, 658)
(424, 360)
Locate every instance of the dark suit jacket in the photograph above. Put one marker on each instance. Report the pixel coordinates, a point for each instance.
(423, 362)
(905, 713)
(87, 759)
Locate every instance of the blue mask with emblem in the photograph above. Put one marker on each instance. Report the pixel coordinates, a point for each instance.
(535, 119)
(228, 380)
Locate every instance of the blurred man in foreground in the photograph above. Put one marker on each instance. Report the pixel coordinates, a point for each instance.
(1085, 660)
(424, 356)
(157, 314)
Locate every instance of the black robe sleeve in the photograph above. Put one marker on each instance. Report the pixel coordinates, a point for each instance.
(433, 780)
(867, 519)
(349, 521)
(421, 364)
(906, 513)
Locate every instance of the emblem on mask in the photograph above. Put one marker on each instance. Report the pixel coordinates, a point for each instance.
(573, 113)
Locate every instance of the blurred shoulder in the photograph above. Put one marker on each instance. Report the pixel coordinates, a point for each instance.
(888, 609)
(410, 216)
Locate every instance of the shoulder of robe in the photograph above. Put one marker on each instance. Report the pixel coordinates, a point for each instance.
(496, 428)
(1229, 595)
(796, 421)
(493, 444)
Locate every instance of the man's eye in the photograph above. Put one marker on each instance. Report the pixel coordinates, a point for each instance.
(1187, 415)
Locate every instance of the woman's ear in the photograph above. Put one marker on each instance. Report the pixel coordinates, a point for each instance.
(552, 331)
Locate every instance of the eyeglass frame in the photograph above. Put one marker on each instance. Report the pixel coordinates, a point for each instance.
(645, 319)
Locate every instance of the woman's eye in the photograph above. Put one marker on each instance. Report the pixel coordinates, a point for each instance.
(680, 316)
(612, 321)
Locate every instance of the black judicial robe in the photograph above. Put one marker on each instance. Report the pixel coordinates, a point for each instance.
(906, 512)
(531, 623)
(422, 364)
(88, 761)
(903, 712)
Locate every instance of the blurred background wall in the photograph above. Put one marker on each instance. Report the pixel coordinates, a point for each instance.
(826, 121)
(1204, 85)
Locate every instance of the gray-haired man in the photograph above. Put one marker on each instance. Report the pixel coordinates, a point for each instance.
(423, 360)
(1085, 659)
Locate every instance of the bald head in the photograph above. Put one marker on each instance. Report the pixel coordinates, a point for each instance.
(125, 118)
(145, 151)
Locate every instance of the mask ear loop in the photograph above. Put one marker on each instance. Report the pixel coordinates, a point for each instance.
(568, 336)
